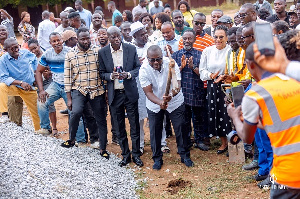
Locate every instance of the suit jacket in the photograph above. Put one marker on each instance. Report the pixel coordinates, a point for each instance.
(131, 64)
(208, 30)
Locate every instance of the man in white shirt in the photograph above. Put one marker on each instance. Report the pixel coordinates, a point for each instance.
(84, 14)
(153, 77)
(46, 27)
(64, 22)
(141, 7)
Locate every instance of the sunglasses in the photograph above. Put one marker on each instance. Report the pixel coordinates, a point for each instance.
(152, 60)
(197, 23)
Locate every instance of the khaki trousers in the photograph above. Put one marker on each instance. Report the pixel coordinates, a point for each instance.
(29, 97)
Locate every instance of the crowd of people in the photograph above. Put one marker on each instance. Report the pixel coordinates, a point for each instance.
(166, 66)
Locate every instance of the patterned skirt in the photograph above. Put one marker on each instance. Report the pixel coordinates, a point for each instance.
(218, 119)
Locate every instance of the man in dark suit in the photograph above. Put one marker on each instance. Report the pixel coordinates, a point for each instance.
(119, 66)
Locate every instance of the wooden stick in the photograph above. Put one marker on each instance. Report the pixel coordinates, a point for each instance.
(169, 75)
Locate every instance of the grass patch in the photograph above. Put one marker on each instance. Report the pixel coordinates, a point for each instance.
(226, 7)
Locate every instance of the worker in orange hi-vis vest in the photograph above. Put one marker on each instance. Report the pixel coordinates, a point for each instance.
(273, 104)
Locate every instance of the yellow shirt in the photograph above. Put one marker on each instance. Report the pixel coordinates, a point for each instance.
(188, 16)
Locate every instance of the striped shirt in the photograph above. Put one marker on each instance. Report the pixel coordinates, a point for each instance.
(82, 72)
(202, 41)
(56, 63)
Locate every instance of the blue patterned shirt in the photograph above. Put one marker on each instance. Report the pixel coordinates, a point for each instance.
(191, 84)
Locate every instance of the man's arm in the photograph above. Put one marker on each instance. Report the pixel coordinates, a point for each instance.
(153, 98)
(6, 14)
(244, 130)
(136, 66)
(102, 70)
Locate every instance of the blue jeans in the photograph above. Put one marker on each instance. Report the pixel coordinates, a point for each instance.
(81, 132)
(265, 158)
(55, 92)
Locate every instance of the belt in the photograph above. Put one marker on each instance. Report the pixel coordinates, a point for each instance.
(120, 90)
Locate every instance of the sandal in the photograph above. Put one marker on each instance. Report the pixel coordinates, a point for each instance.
(55, 133)
(165, 149)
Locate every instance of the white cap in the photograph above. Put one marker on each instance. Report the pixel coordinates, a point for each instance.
(136, 26)
(67, 9)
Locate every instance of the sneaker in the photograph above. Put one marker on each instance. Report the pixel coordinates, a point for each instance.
(95, 145)
(165, 149)
(104, 154)
(188, 162)
(157, 165)
(266, 183)
(43, 132)
(68, 144)
(251, 166)
(80, 144)
(142, 150)
(65, 112)
(258, 177)
(4, 119)
(201, 146)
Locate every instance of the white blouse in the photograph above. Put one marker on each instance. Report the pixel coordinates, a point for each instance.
(212, 60)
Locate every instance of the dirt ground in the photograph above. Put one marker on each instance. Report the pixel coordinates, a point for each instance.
(211, 177)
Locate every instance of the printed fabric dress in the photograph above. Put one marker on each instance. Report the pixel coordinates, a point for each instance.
(27, 31)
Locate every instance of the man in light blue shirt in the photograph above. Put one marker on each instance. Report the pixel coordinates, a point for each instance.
(170, 39)
(111, 6)
(84, 14)
(17, 76)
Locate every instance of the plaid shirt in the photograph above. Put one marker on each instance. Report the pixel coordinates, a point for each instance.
(94, 37)
(191, 84)
(82, 72)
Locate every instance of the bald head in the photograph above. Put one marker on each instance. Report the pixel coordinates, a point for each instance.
(8, 42)
(154, 50)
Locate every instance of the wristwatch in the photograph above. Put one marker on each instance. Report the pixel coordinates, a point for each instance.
(20, 83)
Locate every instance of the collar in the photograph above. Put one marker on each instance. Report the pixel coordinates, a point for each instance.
(186, 51)
(266, 75)
(112, 50)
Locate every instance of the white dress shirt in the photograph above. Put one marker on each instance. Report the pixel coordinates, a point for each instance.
(158, 80)
(117, 57)
(212, 61)
(46, 27)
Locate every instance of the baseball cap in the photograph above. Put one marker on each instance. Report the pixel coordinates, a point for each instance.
(66, 35)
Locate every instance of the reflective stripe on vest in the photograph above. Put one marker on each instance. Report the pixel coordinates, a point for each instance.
(278, 125)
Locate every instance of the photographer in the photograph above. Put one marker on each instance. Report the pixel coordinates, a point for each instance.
(278, 111)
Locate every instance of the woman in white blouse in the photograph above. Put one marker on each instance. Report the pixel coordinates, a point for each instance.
(212, 64)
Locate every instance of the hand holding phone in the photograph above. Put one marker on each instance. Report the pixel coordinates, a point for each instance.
(264, 38)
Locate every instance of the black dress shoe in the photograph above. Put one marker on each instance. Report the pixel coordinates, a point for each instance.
(124, 162)
(222, 151)
(138, 161)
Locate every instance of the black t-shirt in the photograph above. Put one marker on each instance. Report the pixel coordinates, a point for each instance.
(274, 18)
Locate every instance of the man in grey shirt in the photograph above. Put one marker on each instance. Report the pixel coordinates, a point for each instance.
(157, 8)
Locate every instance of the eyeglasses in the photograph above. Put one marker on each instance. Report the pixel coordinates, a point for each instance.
(219, 37)
(152, 60)
(197, 23)
(244, 37)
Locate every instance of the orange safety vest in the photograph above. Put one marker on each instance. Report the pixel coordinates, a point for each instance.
(278, 97)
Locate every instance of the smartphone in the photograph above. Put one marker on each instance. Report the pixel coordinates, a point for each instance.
(264, 38)
(237, 95)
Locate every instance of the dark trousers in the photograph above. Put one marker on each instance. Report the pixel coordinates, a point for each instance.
(168, 127)
(117, 108)
(199, 122)
(90, 122)
(98, 105)
(279, 191)
(156, 126)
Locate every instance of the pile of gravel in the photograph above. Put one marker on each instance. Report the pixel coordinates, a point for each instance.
(34, 166)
